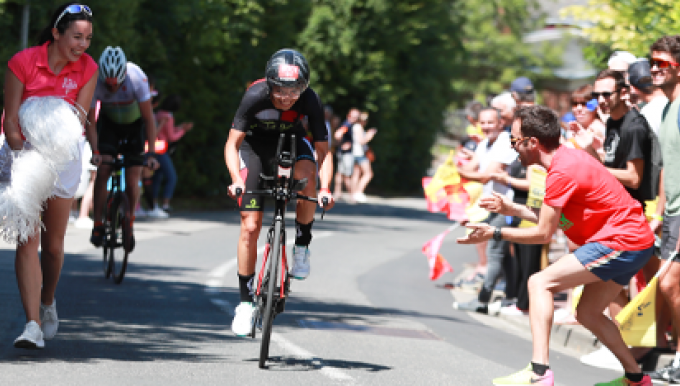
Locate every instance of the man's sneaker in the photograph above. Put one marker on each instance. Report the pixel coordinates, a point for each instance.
(473, 305)
(526, 377)
(242, 325)
(512, 310)
(494, 308)
(49, 320)
(663, 374)
(157, 213)
(31, 338)
(97, 237)
(623, 381)
(300, 268)
(674, 377)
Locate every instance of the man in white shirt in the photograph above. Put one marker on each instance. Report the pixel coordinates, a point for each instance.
(493, 155)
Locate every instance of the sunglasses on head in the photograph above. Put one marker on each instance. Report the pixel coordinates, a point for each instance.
(661, 63)
(74, 9)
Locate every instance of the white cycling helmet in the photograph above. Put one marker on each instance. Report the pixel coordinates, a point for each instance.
(113, 65)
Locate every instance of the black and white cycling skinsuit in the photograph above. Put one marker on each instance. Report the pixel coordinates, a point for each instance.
(263, 124)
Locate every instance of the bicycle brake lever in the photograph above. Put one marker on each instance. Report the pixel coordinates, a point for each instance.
(324, 201)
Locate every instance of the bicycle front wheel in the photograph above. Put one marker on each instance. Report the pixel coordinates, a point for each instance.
(271, 295)
(119, 237)
(108, 267)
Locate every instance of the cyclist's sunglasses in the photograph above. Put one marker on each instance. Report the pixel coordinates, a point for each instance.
(661, 64)
(74, 9)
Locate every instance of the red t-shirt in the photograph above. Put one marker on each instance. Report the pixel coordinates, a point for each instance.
(32, 69)
(30, 66)
(595, 206)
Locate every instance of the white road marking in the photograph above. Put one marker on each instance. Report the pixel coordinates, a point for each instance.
(213, 287)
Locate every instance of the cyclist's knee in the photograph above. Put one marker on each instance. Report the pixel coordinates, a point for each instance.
(251, 224)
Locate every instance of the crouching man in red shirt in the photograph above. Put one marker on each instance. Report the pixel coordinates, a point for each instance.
(595, 211)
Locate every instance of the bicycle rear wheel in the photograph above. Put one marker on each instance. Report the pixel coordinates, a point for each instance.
(119, 237)
(271, 294)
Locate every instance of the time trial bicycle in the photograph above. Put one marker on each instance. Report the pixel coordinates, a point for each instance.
(273, 281)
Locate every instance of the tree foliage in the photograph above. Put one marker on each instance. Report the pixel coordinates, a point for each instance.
(628, 25)
(404, 61)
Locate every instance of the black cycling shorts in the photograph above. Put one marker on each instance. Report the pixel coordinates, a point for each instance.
(261, 159)
(126, 139)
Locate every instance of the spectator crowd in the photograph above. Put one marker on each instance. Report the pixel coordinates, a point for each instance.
(628, 119)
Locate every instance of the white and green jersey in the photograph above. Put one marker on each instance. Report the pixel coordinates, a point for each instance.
(123, 106)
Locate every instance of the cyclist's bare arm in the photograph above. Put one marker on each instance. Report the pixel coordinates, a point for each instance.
(232, 160)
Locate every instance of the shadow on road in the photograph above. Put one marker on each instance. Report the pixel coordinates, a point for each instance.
(279, 363)
(142, 319)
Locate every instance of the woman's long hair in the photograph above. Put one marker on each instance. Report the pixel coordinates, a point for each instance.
(64, 23)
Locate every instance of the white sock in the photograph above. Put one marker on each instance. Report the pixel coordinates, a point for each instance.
(676, 361)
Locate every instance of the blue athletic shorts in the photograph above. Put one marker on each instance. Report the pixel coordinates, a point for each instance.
(609, 264)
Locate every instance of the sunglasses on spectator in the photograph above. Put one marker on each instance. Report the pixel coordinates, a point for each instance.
(576, 103)
(605, 94)
(661, 63)
(74, 9)
(514, 141)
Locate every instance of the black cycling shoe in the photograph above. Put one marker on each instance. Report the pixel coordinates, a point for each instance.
(97, 237)
(132, 243)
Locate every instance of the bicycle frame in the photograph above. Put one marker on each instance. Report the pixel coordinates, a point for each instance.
(282, 187)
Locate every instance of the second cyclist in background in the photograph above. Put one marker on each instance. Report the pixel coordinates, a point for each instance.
(126, 111)
(271, 106)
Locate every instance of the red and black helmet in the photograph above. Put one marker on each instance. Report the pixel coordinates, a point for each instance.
(287, 68)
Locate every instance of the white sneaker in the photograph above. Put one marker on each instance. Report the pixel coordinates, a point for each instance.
(31, 338)
(512, 310)
(140, 212)
(84, 223)
(602, 358)
(495, 308)
(300, 268)
(157, 213)
(360, 197)
(242, 325)
(49, 320)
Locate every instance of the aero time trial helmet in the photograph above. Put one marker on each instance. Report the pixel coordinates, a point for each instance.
(287, 68)
(113, 65)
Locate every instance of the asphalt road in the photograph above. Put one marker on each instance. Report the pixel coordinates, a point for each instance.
(367, 315)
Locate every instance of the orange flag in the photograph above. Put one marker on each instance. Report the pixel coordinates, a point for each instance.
(438, 265)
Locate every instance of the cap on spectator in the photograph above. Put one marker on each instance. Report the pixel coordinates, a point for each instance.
(522, 85)
(621, 59)
(640, 75)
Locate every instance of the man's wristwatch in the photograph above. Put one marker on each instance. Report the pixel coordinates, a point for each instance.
(497, 234)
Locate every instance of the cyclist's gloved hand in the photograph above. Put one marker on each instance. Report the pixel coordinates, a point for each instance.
(234, 186)
(152, 163)
(324, 193)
